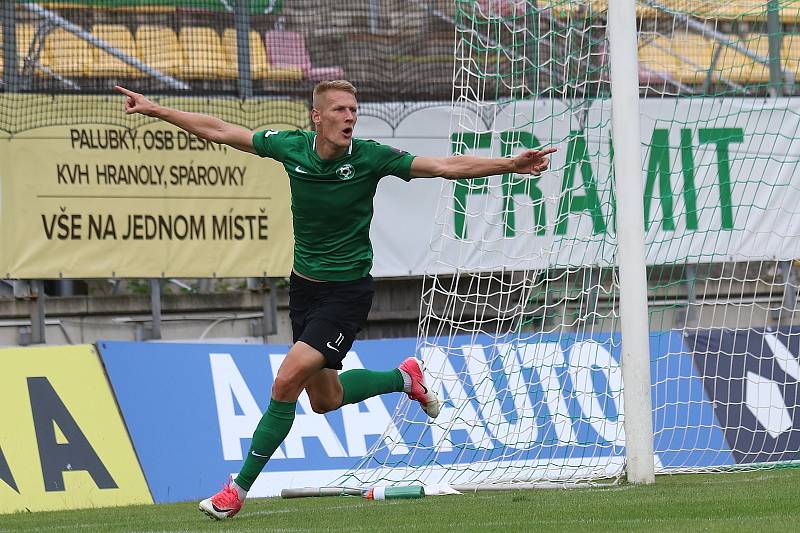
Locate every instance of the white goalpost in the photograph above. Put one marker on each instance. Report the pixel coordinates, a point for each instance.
(634, 323)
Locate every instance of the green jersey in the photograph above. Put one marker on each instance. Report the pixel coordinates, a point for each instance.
(332, 200)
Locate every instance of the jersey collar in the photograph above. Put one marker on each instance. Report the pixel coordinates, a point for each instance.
(349, 148)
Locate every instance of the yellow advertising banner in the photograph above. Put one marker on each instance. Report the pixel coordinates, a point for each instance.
(91, 192)
(63, 444)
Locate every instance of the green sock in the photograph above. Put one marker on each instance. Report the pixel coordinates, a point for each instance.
(269, 434)
(361, 384)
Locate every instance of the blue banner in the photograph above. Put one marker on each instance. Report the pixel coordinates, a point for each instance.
(551, 402)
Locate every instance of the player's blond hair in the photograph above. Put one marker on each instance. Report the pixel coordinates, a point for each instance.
(333, 85)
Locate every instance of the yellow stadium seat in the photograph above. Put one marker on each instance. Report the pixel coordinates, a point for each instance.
(25, 33)
(203, 54)
(790, 52)
(106, 65)
(655, 55)
(695, 53)
(750, 10)
(258, 56)
(66, 54)
(159, 48)
(686, 57)
(735, 66)
(790, 14)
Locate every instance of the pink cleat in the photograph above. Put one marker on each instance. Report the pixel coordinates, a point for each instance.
(224, 504)
(420, 392)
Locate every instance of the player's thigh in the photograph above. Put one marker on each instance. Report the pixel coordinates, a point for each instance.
(300, 364)
(324, 390)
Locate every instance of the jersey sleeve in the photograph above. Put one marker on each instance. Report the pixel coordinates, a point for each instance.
(273, 144)
(391, 161)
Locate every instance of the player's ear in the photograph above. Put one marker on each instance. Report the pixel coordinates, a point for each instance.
(315, 117)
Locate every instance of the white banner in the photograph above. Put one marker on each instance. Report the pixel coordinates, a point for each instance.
(718, 177)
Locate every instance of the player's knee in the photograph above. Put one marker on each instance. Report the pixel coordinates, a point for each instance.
(286, 388)
(322, 406)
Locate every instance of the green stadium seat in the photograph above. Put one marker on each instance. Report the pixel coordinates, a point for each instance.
(158, 47)
(203, 54)
(107, 66)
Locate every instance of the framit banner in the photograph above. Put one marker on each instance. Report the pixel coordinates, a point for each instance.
(63, 444)
(718, 177)
(113, 196)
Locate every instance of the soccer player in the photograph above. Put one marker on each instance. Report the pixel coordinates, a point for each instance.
(333, 178)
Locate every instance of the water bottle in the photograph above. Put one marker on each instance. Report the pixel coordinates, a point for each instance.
(394, 493)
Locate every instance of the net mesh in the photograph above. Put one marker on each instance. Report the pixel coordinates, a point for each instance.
(519, 315)
(391, 50)
(523, 341)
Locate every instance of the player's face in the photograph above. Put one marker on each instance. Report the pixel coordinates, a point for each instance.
(337, 117)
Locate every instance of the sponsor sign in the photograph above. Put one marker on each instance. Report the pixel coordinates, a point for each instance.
(751, 376)
(549, 402)
(136, 197)
(710, 166)
(63, 444)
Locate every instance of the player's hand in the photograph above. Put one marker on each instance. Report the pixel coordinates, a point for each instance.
(135, 102)
(533, 161)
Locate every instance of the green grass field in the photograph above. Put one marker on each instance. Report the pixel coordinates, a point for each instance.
(756, 501)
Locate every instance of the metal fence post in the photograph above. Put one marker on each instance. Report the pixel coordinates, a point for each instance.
(242, 21)
(155, 307)
(37, 312)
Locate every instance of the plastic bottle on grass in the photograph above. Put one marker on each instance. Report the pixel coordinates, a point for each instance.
(394, 493)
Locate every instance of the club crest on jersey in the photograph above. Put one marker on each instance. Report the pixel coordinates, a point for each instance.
(346, 172)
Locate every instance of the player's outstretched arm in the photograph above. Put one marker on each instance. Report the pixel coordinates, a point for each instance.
(205, 126)
(467, 166)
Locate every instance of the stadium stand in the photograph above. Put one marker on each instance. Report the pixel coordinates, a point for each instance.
(307, 41)
(203, 54)
(737, 67)
(67, 55)
(259, 68)
(158, 47)
(106, 65)
(264, 69)
(287, 50)
(745, 10)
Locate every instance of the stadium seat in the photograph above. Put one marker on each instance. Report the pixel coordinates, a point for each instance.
(655, 58)
(258, 56)
(159, 48)
(748, 10)
(752, 10)
(203, 55)
(107, 66)
(67, 55)
(25, 34)
(790, 52)
(737, 67)
(287, 50)
(694, 53)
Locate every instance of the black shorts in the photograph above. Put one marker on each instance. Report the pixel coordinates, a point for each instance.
(328, 315)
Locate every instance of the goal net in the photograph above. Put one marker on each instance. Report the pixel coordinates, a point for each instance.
(519, 324)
